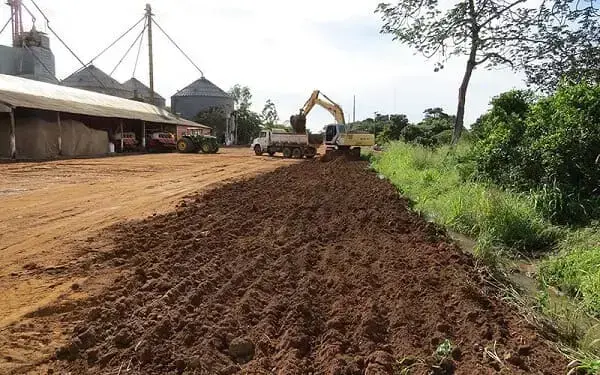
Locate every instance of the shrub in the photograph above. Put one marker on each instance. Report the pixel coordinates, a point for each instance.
(550, 149)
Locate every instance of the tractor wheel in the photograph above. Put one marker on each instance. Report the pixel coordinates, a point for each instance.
(287, 152)
(297, 153)
(257, 150)
(185, 145)
(206, 148)
(214, 148)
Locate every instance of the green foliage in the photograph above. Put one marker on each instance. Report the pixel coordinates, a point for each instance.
(215, 118)
(248, 124)
(385, 127)
(434, 130)
(269, 113)
(437, 181)
(549, 148)
(576, 269)
(241, 97)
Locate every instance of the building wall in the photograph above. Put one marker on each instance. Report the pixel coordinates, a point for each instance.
(189, 106)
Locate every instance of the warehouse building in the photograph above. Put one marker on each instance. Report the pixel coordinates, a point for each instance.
(40, 120)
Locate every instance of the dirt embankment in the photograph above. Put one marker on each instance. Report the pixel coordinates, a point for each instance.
(314, 268)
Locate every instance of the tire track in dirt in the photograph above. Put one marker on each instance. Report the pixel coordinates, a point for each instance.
(314, 268)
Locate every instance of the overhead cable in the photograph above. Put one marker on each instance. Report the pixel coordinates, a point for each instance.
(180, 50)
(117, 40)
(65, 44)
(6, 25)
(128, 50)
(137, 58)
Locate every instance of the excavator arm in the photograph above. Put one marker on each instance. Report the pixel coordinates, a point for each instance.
(298, 121)
(333, 108)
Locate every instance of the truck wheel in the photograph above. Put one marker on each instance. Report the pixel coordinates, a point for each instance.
(257, 150)
(310, 153)
(287, 152)
(185, 145)
(297, 153)
(271, 153)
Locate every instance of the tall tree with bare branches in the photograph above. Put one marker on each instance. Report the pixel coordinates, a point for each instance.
(489, 33)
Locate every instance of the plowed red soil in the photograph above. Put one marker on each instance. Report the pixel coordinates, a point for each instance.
(315, 268)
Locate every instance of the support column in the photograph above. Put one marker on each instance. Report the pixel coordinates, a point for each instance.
(144, 134)
(121, 125)
(13, 138)
(58, 121)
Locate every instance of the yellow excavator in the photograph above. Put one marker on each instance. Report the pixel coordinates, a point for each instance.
(338, 139)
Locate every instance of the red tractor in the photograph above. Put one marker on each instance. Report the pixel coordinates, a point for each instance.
(160, 142)
(130, 143)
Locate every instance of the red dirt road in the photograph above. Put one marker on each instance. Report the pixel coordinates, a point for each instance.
(315, 268)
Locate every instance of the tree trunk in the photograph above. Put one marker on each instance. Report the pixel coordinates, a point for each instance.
(462, 96)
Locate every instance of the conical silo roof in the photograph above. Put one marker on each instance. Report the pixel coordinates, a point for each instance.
(137, 87)
(93, 79)
(202, 87)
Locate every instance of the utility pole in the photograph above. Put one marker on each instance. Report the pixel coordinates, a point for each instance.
(150, 56)
(354, 109)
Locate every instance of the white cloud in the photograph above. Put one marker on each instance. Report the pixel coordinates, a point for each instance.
(281, 49)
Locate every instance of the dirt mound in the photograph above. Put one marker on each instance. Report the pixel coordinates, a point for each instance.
(315, 268)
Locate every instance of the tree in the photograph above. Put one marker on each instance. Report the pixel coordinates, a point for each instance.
(269, 113)
(489, 32)
(241, 97)
(215, 118)
(248, 124)
(572, 49)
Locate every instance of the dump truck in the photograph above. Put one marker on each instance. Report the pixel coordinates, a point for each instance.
(291, 145)
(339, 140)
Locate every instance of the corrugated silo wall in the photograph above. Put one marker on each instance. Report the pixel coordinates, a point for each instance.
(190, 106)
(8, 58)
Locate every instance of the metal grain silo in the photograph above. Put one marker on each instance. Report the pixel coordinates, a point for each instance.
(200, 96)
(93, 79)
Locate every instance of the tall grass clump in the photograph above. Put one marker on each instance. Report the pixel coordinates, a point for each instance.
(437, 182)
(576, 269)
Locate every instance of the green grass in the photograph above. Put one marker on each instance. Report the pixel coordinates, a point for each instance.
(433, 180)
(576, 268)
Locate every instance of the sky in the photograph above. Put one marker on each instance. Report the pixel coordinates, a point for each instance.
(281, 50)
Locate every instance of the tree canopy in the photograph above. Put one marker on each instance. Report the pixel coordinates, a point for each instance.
(269, 113)
(490, 33)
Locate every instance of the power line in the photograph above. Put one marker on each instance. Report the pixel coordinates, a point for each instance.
(65, 44)
(6, 25)
(128, 50)
(118, 39)
(180, 50)
(137, 58)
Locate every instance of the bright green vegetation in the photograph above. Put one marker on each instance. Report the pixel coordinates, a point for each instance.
(435, 181)
(576, 269)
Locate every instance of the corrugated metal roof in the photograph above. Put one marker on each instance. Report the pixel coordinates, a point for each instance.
(21, 92)
(202, 87)
(142, 90)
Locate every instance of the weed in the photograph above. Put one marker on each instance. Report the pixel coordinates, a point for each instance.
(444, 350)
